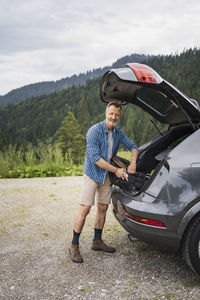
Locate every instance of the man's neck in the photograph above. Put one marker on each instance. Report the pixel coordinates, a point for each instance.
(110, 128)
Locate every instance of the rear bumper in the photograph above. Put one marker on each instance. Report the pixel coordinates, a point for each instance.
(159, 237)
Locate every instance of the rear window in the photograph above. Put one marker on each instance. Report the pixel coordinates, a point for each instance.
(155, 99)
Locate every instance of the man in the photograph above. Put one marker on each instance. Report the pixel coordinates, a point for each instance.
(103, 140)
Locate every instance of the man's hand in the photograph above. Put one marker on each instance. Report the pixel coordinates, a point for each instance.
(121, 173)
(132, 168)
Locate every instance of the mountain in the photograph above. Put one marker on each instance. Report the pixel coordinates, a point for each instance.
(37, 119)
(48, 87)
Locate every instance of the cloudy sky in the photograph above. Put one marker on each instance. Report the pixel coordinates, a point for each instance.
(44, 40)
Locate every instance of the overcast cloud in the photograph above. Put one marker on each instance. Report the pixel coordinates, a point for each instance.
(45, 40)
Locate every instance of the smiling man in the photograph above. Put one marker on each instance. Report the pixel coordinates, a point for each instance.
(103, 140)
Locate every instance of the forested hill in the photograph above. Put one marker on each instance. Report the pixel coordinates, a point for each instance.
(38, 119)
(48, 87)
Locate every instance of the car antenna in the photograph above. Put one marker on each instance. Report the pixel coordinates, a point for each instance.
(152, 121)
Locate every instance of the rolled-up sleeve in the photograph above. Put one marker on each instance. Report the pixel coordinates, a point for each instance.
(93, 145)
(128, 144)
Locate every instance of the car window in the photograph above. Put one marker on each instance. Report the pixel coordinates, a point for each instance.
(179, 140)
(155, 99)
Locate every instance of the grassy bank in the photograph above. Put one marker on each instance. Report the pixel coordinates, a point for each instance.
(43, 161)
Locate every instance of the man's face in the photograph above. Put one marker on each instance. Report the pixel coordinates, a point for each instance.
(112, 116)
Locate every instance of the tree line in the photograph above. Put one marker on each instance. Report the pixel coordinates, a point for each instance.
(64, 117)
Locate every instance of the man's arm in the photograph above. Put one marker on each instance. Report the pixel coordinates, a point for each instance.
(94, 152)
(132, 167)
(119, 172)
(134, 152)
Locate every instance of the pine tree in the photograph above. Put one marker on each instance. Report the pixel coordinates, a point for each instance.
(83, 116)
(2, 141)
(70, 139)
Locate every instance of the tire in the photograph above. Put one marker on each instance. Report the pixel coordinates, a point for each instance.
(191, 245)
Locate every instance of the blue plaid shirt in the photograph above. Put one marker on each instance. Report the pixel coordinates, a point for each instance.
(97, 147)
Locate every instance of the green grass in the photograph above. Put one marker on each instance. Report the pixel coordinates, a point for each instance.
(125, 154)
(45, 234)
(43, 161)
(192, 283)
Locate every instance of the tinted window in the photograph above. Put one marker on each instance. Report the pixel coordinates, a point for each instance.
(154, 98)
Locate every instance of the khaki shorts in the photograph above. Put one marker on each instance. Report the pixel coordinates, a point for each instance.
(92, 191)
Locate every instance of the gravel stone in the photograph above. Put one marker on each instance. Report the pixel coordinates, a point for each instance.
(36, 222)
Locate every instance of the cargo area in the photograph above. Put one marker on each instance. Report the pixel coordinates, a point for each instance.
(152, 154)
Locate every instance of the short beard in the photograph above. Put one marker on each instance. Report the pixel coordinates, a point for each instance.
(111, 124)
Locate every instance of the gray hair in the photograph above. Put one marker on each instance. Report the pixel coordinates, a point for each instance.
(117, 105)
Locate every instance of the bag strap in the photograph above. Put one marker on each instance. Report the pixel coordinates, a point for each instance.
(119, 162)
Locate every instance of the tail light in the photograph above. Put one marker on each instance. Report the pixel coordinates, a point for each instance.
(145, 73)
(145, 221)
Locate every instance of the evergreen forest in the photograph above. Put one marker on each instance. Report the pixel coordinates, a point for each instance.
(48, 132)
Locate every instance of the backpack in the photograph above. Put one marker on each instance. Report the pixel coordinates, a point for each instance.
(135, 181)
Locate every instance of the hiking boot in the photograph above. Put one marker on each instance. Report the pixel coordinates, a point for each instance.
(99, 245)
(75, 253)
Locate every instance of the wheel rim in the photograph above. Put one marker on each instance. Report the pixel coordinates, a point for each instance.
(199, 248)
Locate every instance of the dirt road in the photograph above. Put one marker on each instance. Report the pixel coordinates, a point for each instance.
(36, 220)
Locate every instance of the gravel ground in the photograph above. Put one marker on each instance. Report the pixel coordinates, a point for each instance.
(36, 220)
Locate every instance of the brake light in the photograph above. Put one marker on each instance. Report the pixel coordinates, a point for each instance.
(146, 221)
(144, 73)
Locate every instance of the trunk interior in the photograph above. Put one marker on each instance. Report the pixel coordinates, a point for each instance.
(152, 153)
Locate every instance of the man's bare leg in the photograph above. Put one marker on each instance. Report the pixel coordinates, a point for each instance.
(100, 215)
(81, 217)
(78, 226)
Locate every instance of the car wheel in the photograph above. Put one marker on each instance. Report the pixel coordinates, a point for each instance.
(191, 245)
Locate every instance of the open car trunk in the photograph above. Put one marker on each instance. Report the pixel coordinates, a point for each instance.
(140, 85)
(152, 154)
(159, 148)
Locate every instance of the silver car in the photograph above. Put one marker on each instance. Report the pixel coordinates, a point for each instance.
(165, 211)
